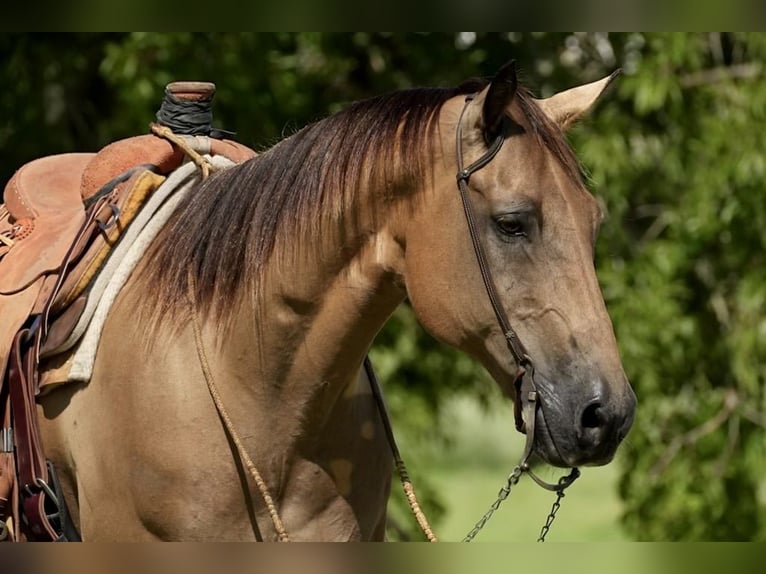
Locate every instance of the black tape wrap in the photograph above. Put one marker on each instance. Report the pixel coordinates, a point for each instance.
(192, 118)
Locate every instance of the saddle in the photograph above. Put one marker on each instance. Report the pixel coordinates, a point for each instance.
(61, 218)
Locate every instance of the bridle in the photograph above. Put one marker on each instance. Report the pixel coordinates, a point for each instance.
(525, 405)
(527, 398)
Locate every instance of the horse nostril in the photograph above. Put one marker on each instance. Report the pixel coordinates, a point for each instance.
(599, 428)
(592, 416)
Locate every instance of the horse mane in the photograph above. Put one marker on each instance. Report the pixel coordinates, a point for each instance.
(228, 228)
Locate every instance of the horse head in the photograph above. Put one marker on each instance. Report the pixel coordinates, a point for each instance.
(536, 224)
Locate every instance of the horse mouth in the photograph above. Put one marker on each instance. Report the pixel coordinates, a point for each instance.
(545, 446)
(557, 451)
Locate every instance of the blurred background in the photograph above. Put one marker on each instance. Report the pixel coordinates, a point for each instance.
(675, 153)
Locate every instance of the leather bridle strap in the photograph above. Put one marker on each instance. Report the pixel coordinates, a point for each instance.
(518, 351)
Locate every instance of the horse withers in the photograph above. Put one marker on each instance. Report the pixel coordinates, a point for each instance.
(289, 264)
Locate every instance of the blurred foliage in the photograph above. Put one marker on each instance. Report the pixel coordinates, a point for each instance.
(675, 153)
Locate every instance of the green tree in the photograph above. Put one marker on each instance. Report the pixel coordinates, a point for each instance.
(679, 161)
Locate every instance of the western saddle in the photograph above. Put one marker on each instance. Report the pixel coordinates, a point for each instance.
(61, 217)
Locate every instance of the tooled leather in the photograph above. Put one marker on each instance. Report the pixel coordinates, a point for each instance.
(15, 199)
(46, 185)
(40, 253)
(232, 150)
(122, 155)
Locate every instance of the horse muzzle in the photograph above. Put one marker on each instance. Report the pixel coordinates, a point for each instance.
(582, 429)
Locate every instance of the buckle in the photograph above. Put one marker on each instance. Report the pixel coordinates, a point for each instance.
(6, 440)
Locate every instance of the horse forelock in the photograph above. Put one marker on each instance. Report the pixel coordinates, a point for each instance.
(229, 229)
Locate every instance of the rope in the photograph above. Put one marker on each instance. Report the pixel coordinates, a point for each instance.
(412, 500)
(262, 486)
(165, 132)
(409, 489)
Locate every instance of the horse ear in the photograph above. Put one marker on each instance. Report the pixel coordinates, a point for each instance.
(499, 96)
(567, 107)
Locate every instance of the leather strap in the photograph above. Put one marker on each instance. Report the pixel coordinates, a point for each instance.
(101, 208)
(31, 465)
(8, 506)
(31, 469)
(527, 400)
(39, 503)
(526, 392)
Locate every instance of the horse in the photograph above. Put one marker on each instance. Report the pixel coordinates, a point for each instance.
(273, 278)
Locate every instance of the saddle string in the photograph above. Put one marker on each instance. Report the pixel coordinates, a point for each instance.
(409, 489)
(223, 413)
(165, 132)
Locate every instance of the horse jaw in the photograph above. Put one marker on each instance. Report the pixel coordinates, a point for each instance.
(568, 106)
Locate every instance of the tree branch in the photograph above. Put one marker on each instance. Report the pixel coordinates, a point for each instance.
(720, 74)
(731, 445)
(730, 403)
(753, 416)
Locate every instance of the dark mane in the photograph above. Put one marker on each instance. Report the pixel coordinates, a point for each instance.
(227, 229)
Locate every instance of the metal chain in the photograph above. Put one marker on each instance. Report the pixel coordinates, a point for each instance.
(564, 483)
(551, 516)
(513, 480)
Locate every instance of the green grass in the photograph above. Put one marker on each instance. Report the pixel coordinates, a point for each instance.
(484, 449)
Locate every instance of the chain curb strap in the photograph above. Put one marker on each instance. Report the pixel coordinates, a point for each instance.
(564, 483)
(513, 479)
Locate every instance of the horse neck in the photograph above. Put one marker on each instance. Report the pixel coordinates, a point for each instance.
(319, 310)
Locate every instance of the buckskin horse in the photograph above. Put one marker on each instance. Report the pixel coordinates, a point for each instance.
(273, 278)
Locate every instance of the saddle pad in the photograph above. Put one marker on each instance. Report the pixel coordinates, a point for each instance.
(142, 185)
(72, 297)
(117, 271)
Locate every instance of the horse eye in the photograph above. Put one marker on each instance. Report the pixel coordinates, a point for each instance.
(512, 225)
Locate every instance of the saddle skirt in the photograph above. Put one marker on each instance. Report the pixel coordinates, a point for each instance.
(84, 336)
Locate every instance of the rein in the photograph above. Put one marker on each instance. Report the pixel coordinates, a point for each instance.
(224, 415)
(409, 489)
